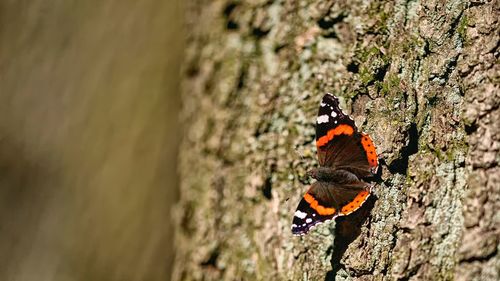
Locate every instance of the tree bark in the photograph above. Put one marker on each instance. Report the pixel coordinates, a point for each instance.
(421, 77)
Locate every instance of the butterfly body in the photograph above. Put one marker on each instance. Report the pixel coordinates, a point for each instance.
(325, 174)
(346, 157)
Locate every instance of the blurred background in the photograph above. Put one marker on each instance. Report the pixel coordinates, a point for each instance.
(89, 97)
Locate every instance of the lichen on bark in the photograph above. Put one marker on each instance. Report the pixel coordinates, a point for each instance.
(420, 76)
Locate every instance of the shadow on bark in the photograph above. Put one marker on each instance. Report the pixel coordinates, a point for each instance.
(347, 229)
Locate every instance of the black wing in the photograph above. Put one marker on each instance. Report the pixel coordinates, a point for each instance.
(339, 143)
(326, 200)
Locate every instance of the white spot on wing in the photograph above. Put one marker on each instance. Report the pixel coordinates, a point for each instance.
(334, 114)
(300, 215)
(322, 104)
(309, 220)
(315, 224)
(322, 119)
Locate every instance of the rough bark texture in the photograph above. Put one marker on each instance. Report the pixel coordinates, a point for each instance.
(420, 76)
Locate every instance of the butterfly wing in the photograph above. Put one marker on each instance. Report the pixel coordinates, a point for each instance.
(326, 200)
(339, 143)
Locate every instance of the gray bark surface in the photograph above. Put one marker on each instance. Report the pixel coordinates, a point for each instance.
(421, 77)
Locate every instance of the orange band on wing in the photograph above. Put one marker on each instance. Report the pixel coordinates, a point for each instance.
(371, 153)
(356, 203)
(339, 130)
(313, 203)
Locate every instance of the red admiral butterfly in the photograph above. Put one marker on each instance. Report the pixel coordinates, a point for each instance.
(346, 156)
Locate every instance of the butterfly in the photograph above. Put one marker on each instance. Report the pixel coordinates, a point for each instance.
(346, 157)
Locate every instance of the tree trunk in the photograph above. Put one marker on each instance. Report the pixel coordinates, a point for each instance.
(421, 77)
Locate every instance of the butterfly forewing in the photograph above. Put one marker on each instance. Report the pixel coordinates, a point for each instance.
(331, 121)
(327, 200)
(338, 141)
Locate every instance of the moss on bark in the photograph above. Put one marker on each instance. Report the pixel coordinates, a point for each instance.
(412, 73)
